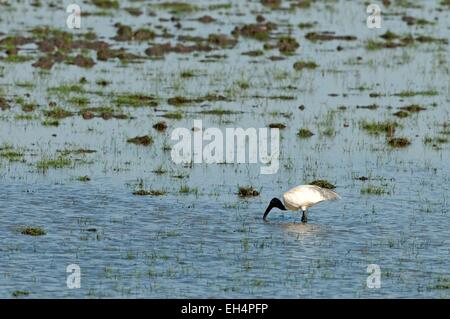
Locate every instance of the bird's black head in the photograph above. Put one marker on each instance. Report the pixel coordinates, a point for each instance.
(275, 202)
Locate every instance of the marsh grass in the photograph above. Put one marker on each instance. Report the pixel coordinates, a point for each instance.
(9, 153)
(20, 293)
(173, 115)
(304, 133)
(399, 142)
(184, 189)
(323, 183)
(58, 162)
(33, 231)
(442, 283)
(409, 93)
(150, 192)
(135, 100)
(375, 128)
(247, 191)
(66, 89)
(50, 122)
(374, 190)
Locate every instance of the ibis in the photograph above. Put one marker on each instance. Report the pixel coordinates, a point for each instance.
(301, 197)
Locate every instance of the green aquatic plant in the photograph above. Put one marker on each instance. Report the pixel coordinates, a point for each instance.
(304, 133)
(66, 89)
(57, 113)
(301, 65)
(323, 183)
(58, 162)
(33, 231)
(141, 140)
(374, 127)
(173, 115)
(135, 100)
(106, 4)
(150, 192)
(247, 191)
(50, 122)
(83, 178)
(398, 142)
(373, 190)
(20, 293)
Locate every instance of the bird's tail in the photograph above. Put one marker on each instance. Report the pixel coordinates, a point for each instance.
(328, 194)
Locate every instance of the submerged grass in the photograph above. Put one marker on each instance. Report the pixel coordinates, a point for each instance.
(374, 127)
(374, 190)
(58, 162)
(33, 231)
(247, 191)
(135, 100)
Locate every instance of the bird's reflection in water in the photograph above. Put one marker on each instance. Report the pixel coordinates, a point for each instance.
(301, 229)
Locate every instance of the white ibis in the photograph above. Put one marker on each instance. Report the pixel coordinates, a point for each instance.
(302, 197)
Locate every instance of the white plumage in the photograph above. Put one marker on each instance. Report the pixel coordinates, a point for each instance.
(302, 197)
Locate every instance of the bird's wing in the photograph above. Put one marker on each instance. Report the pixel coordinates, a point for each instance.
(307, 195)
(324, 193)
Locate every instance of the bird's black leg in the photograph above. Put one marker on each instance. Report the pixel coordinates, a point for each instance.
(304, 218)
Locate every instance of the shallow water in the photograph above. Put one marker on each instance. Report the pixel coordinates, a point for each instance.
(210, 242)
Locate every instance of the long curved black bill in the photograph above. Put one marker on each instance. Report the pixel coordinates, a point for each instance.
(269, 208)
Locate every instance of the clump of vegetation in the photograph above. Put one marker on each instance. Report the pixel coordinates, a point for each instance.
(67, 89)
(416, 93)
(9, 153)
(179, 100)
(20, 293)
(57, 113)
(277, 125)
(160, 126)
(393, 40)
(373, 190)
(177, 7)
(287, 44)
(443, 283)
(184, 189)
(160, 170)
(59, 162)
(106, 4)
(141, 140)
(306, 25)
(78, 101)
(187, 74)
(50, 122)
(401, 114)
(135, 100)
(218, 111)
(173, 115)
(247, 191)
(399, 142)
(304, 133)
(300, 65)
(151, 192)
(258, 31)
(84, 178)
(413, 108)
(322, 183)
(33, 231)
(373, 127)
(435, 141)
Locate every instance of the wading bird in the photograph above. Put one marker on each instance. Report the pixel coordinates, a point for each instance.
(302, 197)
